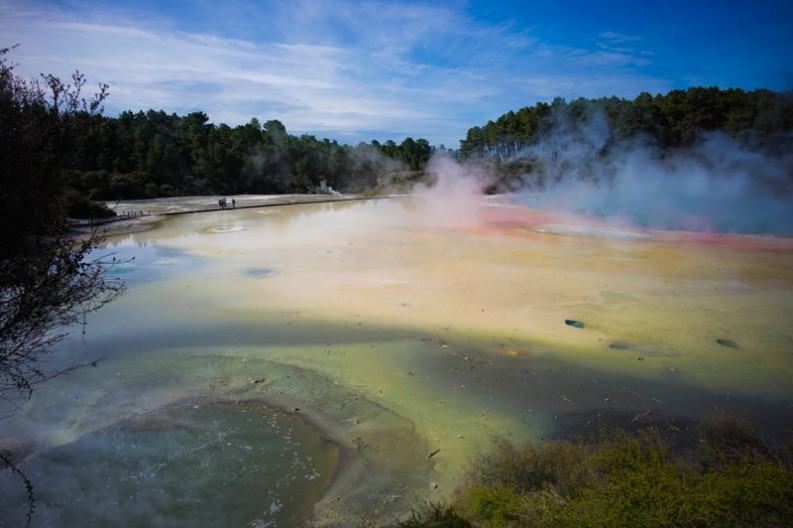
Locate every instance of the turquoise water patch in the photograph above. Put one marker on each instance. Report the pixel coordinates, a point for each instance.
(146, 263)
(122, 268)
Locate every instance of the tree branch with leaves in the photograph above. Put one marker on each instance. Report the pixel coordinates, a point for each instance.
(48, 281)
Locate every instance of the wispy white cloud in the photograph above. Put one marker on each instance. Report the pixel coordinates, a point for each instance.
(607, 58)
(619, 38)
(620, 49)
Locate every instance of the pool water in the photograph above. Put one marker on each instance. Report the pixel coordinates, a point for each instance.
(215, 464)
(377, 333)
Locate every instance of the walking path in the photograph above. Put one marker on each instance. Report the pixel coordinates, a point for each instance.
(276, 204)
(145, 214)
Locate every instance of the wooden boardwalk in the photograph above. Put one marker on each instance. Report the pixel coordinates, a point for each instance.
(119, 217)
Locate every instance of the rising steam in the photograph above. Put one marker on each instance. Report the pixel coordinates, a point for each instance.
(453, 192)
(718, 185)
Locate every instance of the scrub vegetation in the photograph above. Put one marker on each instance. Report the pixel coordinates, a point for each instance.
(731, 477)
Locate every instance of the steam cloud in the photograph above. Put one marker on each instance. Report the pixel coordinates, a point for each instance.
(453, 194)
(718, 185)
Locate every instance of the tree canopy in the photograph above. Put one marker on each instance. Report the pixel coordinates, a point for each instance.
(671, 121)
(148, 154)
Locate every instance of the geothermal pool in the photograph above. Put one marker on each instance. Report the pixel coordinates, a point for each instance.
(343, 361)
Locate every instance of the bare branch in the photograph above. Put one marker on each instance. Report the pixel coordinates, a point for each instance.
(9, 464)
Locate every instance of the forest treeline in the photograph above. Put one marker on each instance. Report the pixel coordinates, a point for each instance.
(759, 118)
(151, 154)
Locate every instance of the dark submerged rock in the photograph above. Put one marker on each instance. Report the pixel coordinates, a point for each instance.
(261, 272)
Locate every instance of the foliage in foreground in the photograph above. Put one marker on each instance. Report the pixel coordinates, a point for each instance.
(732, 478)
(47, 280)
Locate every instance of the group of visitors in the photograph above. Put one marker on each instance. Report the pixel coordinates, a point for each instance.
(222, 203)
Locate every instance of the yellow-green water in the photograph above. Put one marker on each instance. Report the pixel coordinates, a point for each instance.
(401, 328)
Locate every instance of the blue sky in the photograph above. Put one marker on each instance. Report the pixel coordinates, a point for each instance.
(356, 70)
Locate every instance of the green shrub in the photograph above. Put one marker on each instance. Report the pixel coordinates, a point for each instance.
(725, 438)
(638, 484)
(498, 506)
(751, 491)
(435, 516)
(532, 468)
(79, 206)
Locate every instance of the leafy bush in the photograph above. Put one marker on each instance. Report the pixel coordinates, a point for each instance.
(725, 438)
(532, 468)
(79, 206)
(498, 506)
(435, 516)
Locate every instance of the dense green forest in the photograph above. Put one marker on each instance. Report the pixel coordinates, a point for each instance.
(150, 154)
(672, 121)
(537, 146)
